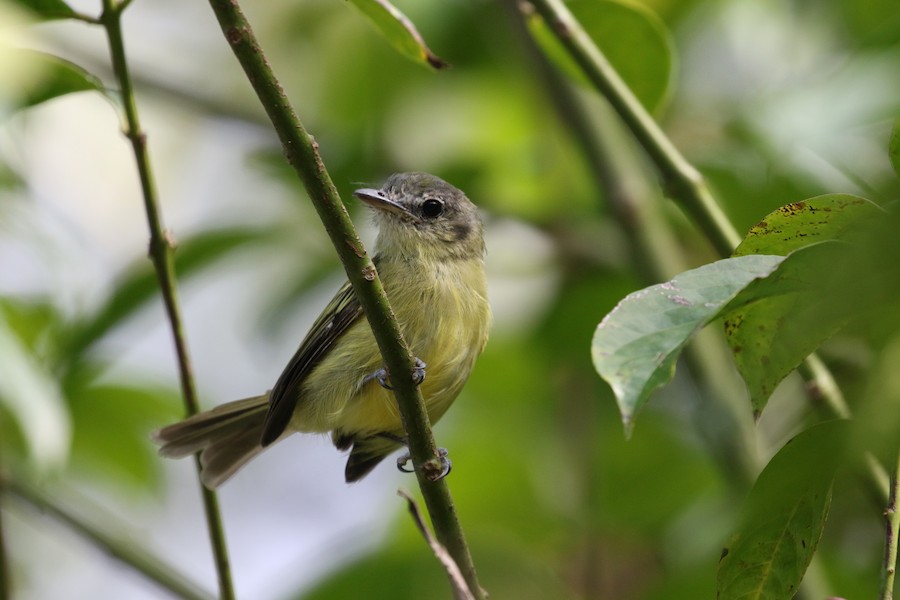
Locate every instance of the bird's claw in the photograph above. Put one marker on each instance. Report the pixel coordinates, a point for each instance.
(384, 379)
(435, 469)
(418, 372)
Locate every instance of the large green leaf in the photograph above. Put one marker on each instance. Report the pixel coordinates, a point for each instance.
(783, 518)
(399, 31)
(112, 422)
(636, 345)
(770, 339)
(46, 77)
(634, 40)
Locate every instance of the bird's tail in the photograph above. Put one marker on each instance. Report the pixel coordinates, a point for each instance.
(226, 437)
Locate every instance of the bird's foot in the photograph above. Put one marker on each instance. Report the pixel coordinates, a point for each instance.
(384, 379)
(435, 469)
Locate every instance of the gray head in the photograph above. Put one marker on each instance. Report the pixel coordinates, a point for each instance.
(420, 214)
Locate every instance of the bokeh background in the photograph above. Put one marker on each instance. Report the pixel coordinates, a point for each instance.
(773, 101)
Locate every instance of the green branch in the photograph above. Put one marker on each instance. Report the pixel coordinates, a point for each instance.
(681, 181)
(892, 528)
(302, 153)
(161, 255)
(125, 550)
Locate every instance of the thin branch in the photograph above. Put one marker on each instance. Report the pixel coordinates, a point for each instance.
(302, 153)
(461, 590)
(117, 546)
(681, 181)
(892, 528)
(824, 392)
(84, 18)
(161, 255)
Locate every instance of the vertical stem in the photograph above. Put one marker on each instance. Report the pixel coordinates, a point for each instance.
(161, 254)
(892, 525)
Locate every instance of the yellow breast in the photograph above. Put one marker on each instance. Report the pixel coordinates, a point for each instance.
(444, 316)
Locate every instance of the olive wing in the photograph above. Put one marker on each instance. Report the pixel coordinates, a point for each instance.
(343, 310)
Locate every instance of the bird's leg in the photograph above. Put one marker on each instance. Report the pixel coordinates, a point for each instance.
(432, 469)
(384, 380)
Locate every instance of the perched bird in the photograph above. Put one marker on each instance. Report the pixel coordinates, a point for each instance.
(430, 257)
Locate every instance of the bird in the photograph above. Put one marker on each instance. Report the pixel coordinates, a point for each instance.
(429, 254)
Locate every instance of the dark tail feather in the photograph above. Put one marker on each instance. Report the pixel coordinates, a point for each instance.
(226, 437)
(366, 454)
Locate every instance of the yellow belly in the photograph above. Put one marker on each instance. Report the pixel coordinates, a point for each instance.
(445, 325)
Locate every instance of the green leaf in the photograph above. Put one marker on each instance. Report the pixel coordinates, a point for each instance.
(633, 38)
(804, 223)
(138, 284)
(35, 322)
(47, 9)
(770, 339)
(30, 393)
(48, 77)
(783, 518)
(636, 345)
(894, 147)
(112, 424)
(399, 31)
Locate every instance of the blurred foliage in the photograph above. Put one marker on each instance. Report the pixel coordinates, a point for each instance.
(774, 102)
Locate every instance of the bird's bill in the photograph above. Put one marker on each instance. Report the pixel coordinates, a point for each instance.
(378, 199)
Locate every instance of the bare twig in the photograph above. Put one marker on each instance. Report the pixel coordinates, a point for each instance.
(302, 153)
(457, 582)
(161, 255)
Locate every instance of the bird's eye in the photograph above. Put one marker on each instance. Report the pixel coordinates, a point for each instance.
(432, 208)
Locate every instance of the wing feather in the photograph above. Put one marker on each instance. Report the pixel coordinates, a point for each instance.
(343, 310)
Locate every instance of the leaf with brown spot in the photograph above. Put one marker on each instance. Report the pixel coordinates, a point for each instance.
(636, 346)
(803, 223)
(770, 339)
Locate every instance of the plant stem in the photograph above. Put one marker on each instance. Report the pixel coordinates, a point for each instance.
(681, 181)
(824, 391)
(117, 546)
(892, 528)
(160, 251)
(302, 153)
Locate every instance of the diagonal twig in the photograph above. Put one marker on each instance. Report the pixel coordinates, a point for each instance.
(461, 590)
